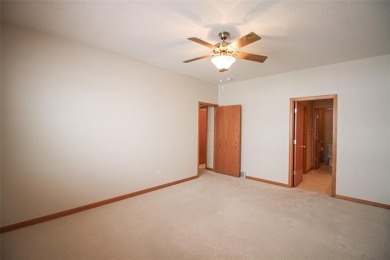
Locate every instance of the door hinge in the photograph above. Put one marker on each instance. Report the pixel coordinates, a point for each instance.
(295, 173)
(295, 141)
(295, 110)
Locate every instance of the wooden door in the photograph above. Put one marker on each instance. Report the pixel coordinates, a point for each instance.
(304, 143)
(299, 143)
(227, 148)
(202, 135)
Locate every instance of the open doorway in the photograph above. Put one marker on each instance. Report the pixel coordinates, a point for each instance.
(313, 142)
(206, 136)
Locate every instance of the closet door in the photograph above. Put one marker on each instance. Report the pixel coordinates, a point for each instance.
(227, 153)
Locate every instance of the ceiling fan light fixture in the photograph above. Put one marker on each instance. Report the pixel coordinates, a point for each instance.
(223, 62)
(225, 53)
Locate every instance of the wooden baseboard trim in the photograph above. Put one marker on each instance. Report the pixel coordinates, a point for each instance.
(367, 202)
(86, 207)
(267, 181)
(210, 169)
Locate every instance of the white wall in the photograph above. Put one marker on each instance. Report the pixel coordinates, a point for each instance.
(80, 125)
(363, 154)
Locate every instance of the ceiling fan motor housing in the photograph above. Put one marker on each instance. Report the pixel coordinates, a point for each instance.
(223, 35)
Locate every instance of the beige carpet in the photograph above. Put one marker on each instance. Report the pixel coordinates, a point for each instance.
(213, 217)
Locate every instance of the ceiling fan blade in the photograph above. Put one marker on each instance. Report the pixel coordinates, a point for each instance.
(197, 40)
(199, 58)
(252, 57)
(245, 40)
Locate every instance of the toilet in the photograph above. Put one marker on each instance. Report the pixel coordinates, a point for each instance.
(329, 154)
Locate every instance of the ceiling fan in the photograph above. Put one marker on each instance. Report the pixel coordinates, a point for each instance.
(225, 53)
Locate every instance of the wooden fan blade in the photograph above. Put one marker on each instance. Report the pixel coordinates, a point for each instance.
(252, 57)
(245, 40)
(199, 58)
(197, 40)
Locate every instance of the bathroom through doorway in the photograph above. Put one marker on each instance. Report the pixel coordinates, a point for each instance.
(313, 144)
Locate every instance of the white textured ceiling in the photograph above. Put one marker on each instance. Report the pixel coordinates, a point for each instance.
(295, 34)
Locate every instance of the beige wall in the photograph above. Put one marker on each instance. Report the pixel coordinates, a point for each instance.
(363, 151)
(210, 137)
(80, 125)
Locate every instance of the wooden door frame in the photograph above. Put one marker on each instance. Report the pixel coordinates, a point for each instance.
(334, 141)
(202, 105)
